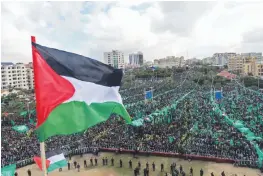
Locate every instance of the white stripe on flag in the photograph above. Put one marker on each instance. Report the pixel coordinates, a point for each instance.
(56, 158)
(93, 93)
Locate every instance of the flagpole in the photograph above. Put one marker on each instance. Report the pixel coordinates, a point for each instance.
(42, 144)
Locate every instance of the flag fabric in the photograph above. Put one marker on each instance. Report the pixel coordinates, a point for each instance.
(55, 160)
(37, 160)
(20, 128)
(218, 95)
(148, 95)
(73, 92)
(13, 123)
(8, 170)
(24, 113)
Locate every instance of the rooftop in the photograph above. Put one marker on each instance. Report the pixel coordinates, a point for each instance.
(7, 63)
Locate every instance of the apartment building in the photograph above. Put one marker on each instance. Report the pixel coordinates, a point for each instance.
(30, 75)
(259, 69)
(115, 59)
(136, 59)
(236, 63)
(253, 68)
(16, 76)
(249, 66)
(169, 61)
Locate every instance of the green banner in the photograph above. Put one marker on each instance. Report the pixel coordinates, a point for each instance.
(20, 128)
(24, 113)
(8, 170)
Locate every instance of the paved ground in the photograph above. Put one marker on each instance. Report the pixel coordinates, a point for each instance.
(100, 170)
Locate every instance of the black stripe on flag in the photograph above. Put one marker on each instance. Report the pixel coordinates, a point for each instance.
(53, 153)
(80, 67)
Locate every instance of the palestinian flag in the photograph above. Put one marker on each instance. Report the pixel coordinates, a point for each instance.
(55, 160)
(73, 92)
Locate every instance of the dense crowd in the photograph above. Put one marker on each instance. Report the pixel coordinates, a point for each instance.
(183, 117)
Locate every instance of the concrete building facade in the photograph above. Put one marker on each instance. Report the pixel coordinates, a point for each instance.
(235, 63)
(136, 59)
(115, 59)
(16, 76)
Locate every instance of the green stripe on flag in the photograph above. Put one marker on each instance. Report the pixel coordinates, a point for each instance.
(57, 165)
(8, 170)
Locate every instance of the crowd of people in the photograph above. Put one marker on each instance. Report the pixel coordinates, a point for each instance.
(183, 117)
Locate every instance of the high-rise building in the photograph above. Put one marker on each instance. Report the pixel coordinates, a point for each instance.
(136, 59)
(114, 58)
(16, 76)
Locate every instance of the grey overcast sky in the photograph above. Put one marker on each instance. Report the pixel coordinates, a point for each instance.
(158, 29)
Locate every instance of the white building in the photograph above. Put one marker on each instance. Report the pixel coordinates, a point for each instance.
(114, 58)
(16, 76)
(169, 61)
(30, 76)
(136, 59)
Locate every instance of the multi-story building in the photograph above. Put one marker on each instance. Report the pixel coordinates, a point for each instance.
(253, 67)
(259, 69)
(30, 76)
(236, 63)
(258, 56)
(169, 61)
(136, 59)
(222, 58)
(114, 58)
(16, 76)
(249, 66)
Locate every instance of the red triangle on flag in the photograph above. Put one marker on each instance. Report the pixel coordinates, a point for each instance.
(39, 163)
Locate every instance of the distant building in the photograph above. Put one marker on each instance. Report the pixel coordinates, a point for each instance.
(114, 58)
(258, 56)
(222, 58)
(16, 76)
(191, 61)
(207, 60)
(169, 61)
(236, 63)
(136, 59)
(253, 67)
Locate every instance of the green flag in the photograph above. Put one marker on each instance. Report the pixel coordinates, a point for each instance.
(8, 170)
(171, 139)
(24, 113)
(31, 121)
(20, 128)
(13, 123)
(231, 142)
